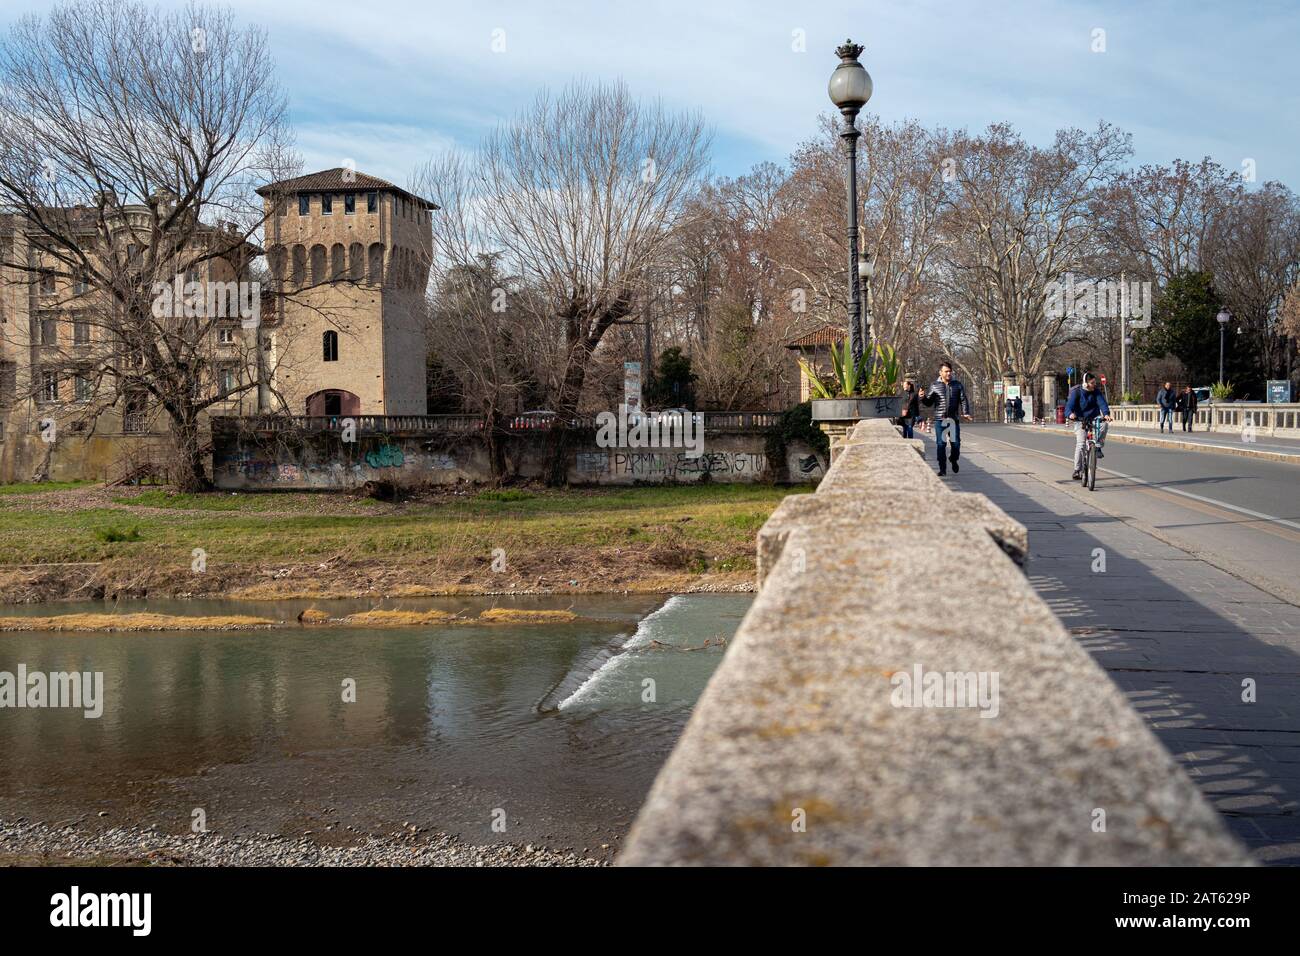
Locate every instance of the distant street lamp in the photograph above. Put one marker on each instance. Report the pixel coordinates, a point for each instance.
(866, 269)
(1224, 318)
(849, 89)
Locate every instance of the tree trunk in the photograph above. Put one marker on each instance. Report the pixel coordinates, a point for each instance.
(191, 471)
(560, 436)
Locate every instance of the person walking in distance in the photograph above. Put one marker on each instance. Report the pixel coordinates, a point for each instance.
(911, 408)
(949, 395)
(1087, 404)
(1187, 408)
(1167, 399)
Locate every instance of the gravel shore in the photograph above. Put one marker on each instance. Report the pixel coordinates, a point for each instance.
(23, 843)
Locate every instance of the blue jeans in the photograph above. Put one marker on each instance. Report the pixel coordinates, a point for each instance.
(941, 426)
(908, 430)
(1166, 415)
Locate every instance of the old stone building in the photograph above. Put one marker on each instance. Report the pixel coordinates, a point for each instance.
(339, 328)
(60, 415)
(351, 254)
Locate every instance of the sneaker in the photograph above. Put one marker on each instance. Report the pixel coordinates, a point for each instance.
(943, 473)
(1076, 476)
(955, 467)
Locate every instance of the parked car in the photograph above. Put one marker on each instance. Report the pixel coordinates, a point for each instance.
(695, 417)
(539, 418)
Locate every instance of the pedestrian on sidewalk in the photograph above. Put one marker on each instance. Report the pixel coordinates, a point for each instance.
(948, 397)
(1018, 410)
(1167, 399)
(911, 408)
(1086, 403)
(1010, 408)
(1187, 408)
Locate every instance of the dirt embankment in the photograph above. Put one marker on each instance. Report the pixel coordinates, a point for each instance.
(626, 570)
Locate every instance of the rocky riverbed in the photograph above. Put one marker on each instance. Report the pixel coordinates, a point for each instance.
(36, 844)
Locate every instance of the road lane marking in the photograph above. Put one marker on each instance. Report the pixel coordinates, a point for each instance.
(1258, 515)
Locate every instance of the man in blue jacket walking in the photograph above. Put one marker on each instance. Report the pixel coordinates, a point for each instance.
(1086, 403)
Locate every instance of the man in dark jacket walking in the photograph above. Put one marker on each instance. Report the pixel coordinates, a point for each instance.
(1167, 399)
(950, 396)
(1187, 406)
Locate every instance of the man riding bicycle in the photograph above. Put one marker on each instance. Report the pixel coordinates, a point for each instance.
(1087, 405)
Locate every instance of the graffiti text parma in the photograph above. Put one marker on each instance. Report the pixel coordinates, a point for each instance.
(652, 465)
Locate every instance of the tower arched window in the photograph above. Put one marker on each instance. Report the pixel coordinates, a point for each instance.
(331, 346)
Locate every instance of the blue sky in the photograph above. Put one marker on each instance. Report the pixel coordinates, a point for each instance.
(386, 83)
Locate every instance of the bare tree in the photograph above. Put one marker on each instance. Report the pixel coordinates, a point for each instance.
(582, 195)
(131, 144)
(1019, 218)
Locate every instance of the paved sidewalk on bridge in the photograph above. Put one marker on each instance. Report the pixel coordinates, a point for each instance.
(1178, 635)
(1264, 445)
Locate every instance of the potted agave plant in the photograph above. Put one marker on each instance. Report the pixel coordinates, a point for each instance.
(867, 388)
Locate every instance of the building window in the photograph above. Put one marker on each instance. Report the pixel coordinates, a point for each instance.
(304, 204)
(372, 202)
(80, 284)
(229, 380)
(47, 283)
(45, 329)
(80, 331)
(194, 274)
(349, 203)
(331, 341)
(327, 204)
(84, 390)
(226, 336)
(49, 387)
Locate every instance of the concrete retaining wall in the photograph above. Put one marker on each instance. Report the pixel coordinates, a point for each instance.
(820, 739)
(244, 460)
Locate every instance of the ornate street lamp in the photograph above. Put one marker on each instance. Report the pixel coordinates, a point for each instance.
(1224, 318)
(850, 89)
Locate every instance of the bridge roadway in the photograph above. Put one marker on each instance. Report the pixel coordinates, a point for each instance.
(1198, 601)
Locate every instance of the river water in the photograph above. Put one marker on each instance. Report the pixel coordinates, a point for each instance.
(557, 729)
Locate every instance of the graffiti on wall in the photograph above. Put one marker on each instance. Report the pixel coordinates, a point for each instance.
(385, 456)
(651, 465)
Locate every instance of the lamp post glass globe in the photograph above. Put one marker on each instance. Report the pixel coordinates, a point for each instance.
(866, 267)
(1224, 317)
(850, 85)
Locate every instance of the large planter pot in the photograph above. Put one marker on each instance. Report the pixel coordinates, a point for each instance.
(854, 409)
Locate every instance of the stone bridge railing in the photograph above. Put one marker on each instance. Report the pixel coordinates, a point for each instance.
(819, 739)
(1277, 420)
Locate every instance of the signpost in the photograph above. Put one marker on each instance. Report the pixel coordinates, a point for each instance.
(632, 386)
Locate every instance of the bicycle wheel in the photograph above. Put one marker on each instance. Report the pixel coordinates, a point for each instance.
(1091, 474)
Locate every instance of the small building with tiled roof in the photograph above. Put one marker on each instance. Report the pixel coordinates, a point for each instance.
(814, 347)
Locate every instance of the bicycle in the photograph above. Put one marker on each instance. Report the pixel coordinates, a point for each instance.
(1088, 474)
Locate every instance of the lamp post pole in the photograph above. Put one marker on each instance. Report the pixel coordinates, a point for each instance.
(850, 89)
(1224, 317)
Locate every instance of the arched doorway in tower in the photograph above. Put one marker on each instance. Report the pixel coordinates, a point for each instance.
(333, 401)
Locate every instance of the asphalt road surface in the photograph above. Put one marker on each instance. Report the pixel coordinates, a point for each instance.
(1179, 575)
(1241, 514)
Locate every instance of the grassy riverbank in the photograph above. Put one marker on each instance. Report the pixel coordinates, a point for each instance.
(85, 542)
